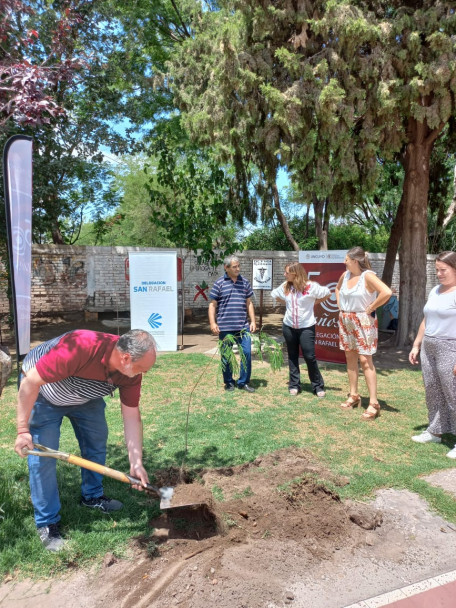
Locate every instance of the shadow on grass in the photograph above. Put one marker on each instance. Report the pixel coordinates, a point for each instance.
(154, 459)
(449, 440)
(386, 372)
(258, 383)
(306, 387)
(420, 427)
(385, 407)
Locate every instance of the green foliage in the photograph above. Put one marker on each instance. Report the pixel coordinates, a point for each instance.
(442, 229)
(267, 348)
(340, 236)
(325, 90)
(228, 359)
(262, 345)
(345, 236)
(71, 179)
(188, 198)
(132, 223)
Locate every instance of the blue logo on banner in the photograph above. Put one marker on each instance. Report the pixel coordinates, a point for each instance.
(154, 320)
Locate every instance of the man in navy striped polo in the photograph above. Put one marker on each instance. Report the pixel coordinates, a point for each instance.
(69, 376)
(231, 311)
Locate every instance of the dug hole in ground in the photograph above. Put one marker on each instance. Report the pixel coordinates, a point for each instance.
(263, 547)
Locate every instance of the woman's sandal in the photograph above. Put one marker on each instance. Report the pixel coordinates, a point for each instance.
(351, 402)
(371, 415)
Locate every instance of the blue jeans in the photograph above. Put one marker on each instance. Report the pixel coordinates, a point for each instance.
(245, 345)
(89, 424)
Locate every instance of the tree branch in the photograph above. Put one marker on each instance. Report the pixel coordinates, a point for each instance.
(433, 135)
(282, 218)
(187, 33)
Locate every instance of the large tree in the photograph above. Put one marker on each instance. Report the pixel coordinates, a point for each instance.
(326, 89)
(189, 190)
(400, 60)
(223, 107)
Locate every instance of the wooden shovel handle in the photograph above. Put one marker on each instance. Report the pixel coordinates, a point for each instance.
(99, 468)
(44, 451)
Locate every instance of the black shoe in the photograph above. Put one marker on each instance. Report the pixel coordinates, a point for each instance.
(103, 503)
(50, 537)
(246, 387)
(229, 387)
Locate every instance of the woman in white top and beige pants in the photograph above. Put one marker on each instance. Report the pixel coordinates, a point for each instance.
(437, 340)
(359, 293)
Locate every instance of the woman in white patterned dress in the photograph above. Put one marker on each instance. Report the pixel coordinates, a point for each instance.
(359, 293)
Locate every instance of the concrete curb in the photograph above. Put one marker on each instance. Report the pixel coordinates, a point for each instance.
(406, 592)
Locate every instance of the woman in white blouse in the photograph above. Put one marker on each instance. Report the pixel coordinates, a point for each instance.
(299, 322)
(359, 293)
(437, 340)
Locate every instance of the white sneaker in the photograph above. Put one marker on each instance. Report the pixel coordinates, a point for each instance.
(427, 437)
(293, 391)
(452, 453)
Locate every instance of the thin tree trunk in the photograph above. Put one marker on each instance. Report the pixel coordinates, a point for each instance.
(282, 219)
(326, 223)
(306, 235)
(412, 254)
(444, 217)
(320, 231)
(57, 237)
(393, 243)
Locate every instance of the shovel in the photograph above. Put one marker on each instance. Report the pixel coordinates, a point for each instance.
(165, 494)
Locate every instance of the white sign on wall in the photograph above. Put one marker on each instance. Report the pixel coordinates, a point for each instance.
(153, 296)
(262, 274)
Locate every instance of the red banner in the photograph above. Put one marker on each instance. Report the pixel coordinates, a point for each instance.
(325, 267)
(17, 173)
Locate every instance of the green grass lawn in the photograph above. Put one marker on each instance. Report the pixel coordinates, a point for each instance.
(224, 429)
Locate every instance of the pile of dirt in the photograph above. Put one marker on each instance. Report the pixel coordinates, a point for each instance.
(265, 534)
(282, 502)
(283, 495)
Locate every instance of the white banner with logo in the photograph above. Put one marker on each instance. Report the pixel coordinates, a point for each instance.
(262, 274)
(153, 296)
(17, 171)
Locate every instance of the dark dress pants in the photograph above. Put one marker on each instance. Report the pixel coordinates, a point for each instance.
(304, 338)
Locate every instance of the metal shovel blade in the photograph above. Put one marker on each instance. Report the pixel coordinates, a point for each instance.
(166, 496)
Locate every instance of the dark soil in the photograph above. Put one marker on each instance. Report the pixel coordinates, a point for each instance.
(277, 535)
(279, 500)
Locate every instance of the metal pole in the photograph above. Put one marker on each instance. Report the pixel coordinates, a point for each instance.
(183, 300)
(261, 310)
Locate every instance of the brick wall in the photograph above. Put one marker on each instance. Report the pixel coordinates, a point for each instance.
(70, 280)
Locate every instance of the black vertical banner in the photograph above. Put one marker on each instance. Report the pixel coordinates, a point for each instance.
(17, 177)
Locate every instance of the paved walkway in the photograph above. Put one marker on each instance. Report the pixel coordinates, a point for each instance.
(436, 592)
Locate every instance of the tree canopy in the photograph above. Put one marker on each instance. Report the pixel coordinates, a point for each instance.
(330, 91)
